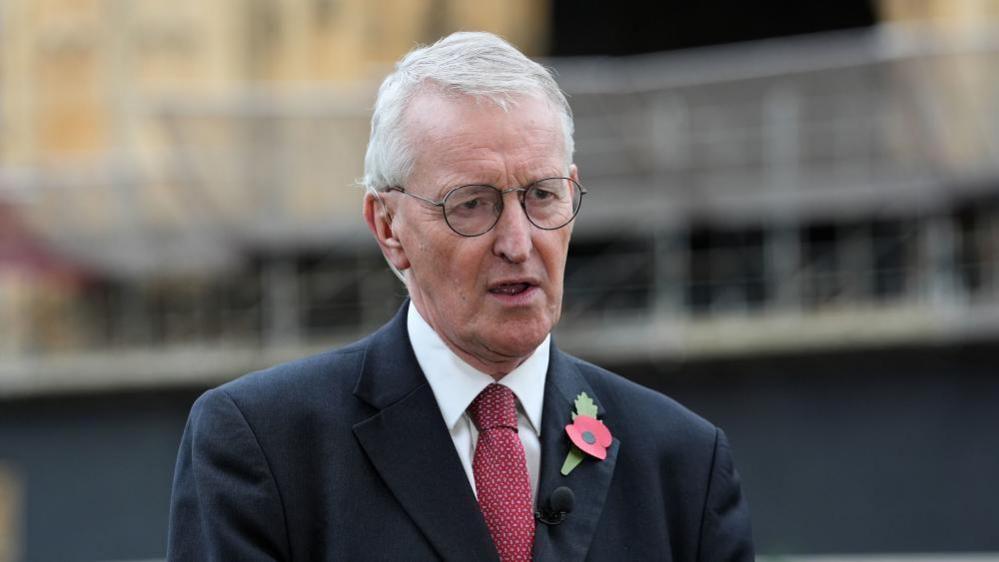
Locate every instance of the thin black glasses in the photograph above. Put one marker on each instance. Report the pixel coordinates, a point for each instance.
(473, 210)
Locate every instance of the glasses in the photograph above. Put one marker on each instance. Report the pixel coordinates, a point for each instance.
(473, 210)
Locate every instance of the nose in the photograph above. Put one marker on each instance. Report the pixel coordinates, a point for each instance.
(513, 231)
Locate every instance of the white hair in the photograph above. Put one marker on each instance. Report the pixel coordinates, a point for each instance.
(475, 64)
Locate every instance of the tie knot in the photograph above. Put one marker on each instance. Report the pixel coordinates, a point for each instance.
(496, 406)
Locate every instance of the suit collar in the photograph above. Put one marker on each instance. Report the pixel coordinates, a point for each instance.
(570, 540)
(389, 371)
(411, 449)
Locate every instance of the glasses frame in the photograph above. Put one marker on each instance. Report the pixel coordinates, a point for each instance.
(521, 194)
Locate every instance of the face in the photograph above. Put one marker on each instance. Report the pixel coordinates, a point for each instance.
(493, 298)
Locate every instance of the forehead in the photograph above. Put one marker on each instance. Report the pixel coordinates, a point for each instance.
(467, 133)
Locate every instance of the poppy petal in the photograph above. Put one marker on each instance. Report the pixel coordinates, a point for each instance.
(595, 427)
(586, 443)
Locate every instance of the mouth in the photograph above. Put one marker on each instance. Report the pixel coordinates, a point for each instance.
(513, 288)
(510, 288)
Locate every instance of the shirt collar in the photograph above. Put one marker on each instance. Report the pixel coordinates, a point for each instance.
(455, 383)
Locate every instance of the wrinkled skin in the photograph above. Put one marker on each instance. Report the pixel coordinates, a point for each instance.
(470, 290)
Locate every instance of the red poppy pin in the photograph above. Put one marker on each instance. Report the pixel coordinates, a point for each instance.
(589, 435)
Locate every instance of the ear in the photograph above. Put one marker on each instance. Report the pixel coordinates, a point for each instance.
(380, 223)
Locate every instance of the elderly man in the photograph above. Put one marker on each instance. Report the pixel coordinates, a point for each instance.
(458, 431)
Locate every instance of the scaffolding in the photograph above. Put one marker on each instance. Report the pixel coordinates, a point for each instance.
(808, 193)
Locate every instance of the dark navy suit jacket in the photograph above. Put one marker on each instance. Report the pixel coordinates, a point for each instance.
(345, 456)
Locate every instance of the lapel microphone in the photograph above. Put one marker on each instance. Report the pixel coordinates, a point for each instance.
(560, 504)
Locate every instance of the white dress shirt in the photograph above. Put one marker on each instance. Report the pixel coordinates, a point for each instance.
(455, 384)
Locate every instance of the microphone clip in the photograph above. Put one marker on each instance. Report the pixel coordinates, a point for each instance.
(549, 517)
(559, 505)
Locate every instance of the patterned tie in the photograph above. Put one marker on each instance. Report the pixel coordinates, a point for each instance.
(500, 469)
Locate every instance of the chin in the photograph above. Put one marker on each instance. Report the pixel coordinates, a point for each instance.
(521, 338)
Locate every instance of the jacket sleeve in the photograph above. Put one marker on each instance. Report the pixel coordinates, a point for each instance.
(225, 503)
(726, 533)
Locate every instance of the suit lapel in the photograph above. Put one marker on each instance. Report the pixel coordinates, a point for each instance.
(589, 482)
(411, 448)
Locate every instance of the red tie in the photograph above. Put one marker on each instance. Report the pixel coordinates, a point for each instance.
(500, 468)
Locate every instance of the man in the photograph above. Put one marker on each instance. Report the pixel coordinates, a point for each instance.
(446, 434)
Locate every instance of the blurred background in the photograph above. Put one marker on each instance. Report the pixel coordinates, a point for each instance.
(793, 228)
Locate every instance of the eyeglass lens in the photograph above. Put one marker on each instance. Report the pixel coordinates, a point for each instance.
(550, 204)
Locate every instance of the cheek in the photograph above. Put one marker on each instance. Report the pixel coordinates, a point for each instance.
(554, 252)
(453, 269)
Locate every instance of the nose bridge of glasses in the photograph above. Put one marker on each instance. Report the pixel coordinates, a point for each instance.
(519, 193)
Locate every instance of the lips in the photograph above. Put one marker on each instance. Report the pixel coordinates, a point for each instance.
(512, 287)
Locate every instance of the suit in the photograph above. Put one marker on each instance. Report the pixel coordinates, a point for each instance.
(345, 456)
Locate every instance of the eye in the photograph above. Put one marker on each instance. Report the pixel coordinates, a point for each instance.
(540, 194)
(472, 200)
